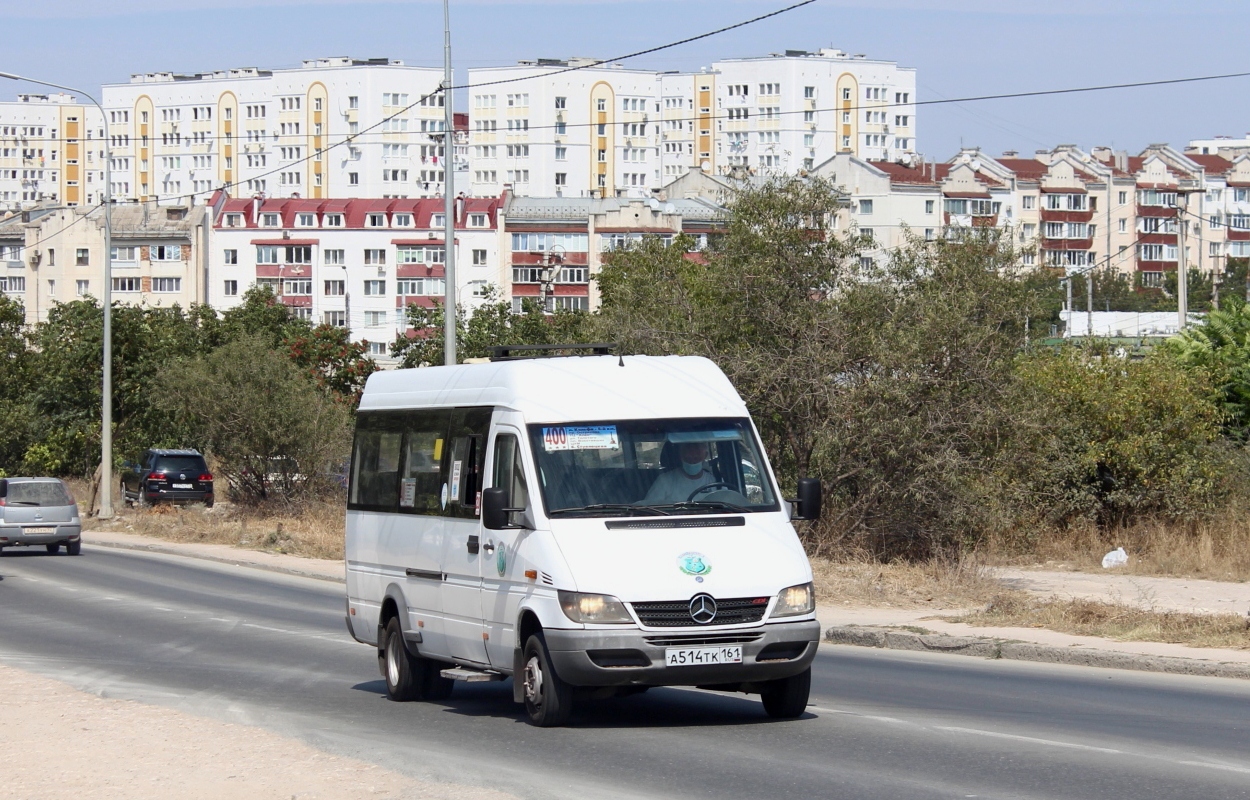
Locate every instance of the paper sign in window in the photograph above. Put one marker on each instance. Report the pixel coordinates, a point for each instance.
(597, 437)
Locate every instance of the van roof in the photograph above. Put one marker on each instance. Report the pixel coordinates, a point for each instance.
(566, 389)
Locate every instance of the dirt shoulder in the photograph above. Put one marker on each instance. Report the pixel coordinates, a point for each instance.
(63, 743)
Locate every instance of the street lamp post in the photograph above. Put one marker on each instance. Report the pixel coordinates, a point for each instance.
(106, 404)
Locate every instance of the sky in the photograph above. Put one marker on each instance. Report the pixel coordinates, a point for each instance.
(960, 48)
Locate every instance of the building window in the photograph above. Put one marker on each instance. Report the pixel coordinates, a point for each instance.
(1123, 198)
(375, 288)
(865, 206)
(421, 287)
(301, 287)
(928, 206)
(334, 258)
(375, 221)
(230, 288)
(353, 179)
(230, 256)
(1152, 280)
(377, 348)
(271, 220)
(479, 258)
(82, 288)
(83, 257)
(375, 319)
(477, 221)
(123, 284)
(335, 288)
(375, 257)
(167, 285)
(562, 179)
(337, 319)
(165, 252)
(1028, 202)
(334, 220)
(266, 254)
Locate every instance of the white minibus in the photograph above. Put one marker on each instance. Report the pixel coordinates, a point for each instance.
(586, 526)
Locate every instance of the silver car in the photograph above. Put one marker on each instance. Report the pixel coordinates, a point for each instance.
(39, 511)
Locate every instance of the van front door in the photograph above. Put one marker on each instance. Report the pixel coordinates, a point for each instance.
(503, 570)
(462, 541)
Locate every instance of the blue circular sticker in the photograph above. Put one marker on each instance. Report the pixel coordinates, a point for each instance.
(501, 560)
(693, 564)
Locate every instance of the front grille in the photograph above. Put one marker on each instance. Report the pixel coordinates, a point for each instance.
(698, 641)
(676, 613)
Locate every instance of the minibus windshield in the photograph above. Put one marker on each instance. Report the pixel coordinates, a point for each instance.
(651, 467)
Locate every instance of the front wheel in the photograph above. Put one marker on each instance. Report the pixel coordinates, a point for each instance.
(405, 673)
(787, 698)
(548, 699)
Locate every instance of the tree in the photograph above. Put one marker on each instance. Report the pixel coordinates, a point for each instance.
(16, 373)
(491, 324)
(1220, 347)
(338, 365)
(274, 433)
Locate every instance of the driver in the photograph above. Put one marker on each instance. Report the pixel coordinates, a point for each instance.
(676, 485)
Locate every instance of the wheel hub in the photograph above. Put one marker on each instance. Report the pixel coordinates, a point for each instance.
(392, 663)
(534, 681)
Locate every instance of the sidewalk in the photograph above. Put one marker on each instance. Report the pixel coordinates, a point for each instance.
(274, 562)
(926, 628)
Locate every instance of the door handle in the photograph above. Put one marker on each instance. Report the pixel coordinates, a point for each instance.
(473, 543)
(489, 547)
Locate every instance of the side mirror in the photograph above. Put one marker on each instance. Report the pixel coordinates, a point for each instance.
(807, 506)
(495, 513)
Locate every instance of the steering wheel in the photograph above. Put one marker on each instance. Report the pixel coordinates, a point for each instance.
(707, 487)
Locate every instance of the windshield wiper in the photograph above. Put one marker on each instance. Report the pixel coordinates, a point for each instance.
(709, 504)
(23, 503)
(609, 507)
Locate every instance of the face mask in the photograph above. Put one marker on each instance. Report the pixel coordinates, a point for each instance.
(692, 469)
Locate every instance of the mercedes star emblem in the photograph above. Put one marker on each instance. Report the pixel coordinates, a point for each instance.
(702, 608)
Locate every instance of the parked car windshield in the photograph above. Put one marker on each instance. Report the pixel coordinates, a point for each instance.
(38, 493)
(651, 467)
(186, 464)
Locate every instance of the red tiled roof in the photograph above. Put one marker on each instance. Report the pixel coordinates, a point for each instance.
(1027, 169)
(1214, 165)
(926, 175)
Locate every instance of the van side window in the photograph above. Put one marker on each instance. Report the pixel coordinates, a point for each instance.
(463, 472)
(421, 479)
(375, 468)
(509, 471)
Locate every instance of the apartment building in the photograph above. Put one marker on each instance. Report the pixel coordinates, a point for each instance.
(787, 112)
(55, 254)
(333, 127)
(353, 263)
(544, 131)
(50, 152)
(555, 246)
(607, 131)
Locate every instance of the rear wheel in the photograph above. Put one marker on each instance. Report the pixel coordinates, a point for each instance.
(53, 548)
(787, 698)
(405, 673)
(126, 497)
(73, 548)
(548, 699)
(208, 502)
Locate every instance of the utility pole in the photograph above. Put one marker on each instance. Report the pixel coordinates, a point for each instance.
(449, 198)
(1067, 303)
(1182, 274)
(1089, 301)
(106, 392)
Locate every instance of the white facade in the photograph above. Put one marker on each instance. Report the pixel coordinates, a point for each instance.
(591, 132)
(50, 152)
(353, 263)
(284, 133)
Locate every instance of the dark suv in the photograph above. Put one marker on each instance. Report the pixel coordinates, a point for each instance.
(179, 476)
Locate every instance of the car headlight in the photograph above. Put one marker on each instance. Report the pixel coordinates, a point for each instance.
(796, 600)
(594, 609)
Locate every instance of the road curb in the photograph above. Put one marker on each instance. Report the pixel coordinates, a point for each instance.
(983, 647)
(234, 562)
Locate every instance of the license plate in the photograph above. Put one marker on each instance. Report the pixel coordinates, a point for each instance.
(692, 656)
(39, 530)
(182, 486)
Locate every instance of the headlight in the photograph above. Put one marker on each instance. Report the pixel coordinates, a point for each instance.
(796, 600)
(594, 609)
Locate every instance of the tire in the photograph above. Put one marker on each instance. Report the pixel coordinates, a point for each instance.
(73, 548)
(126, 501)
(787, 698)
(548, 699)
(53, 548)
(208, 502)
(406, 675)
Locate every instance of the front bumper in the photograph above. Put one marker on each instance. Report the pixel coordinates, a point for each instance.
(13, 535)
(633, 657)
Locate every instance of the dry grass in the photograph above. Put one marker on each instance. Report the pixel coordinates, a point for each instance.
(1113, 621)
(313, 528)
(938, 583)
(1216, 549)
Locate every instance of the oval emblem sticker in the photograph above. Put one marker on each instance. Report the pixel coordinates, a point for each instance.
(693, 564)
(501, 561)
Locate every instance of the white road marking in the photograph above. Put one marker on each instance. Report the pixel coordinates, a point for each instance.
(1029, 739)
(1227, 767)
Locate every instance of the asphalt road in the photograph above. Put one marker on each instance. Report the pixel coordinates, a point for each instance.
(260, 648)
